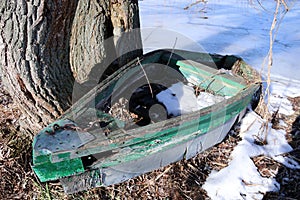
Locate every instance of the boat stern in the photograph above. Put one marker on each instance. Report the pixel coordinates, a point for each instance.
(52, 151)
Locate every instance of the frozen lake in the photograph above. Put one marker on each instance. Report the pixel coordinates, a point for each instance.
(239, 27)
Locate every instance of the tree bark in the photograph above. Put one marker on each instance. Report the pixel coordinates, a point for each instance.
(90, 42)
(34, 53)
(45, 45)
(127, 38)
(104, 32)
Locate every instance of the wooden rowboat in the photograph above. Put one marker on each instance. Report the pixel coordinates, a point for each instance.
(113, 133)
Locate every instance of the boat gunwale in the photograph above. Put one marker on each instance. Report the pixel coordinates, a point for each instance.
(142, 131)
(249, 89)
(174, 121)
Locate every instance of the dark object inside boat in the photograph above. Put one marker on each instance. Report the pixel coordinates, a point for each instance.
(135, 96)
(144, 103)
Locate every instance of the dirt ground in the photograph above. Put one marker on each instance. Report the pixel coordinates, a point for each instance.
(181, 180)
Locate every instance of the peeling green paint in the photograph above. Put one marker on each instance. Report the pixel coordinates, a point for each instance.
(120, 146)
(53, 171)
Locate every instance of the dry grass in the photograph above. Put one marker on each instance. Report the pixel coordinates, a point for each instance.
(14, 157)
(289, 179)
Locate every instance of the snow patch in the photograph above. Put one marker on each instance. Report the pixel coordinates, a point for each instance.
(206, 99)
(240, 179)
(180, 99)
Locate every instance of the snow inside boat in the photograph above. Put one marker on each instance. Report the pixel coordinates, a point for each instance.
(166, 106)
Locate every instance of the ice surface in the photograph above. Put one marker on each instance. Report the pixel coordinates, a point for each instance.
(239, 27)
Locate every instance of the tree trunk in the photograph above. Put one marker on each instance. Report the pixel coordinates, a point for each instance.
(127, 38)
(104, 32)
(90, 42)
(34, 53)
(38, 41)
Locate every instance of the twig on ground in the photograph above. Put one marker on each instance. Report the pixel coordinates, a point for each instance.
(164, 172)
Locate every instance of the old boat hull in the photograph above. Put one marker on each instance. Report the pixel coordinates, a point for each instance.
(127, 170)
(85, 159)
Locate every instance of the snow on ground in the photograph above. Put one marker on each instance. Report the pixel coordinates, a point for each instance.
(239, 27)
(241, 179)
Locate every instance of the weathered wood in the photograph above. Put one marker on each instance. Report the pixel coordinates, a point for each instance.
(34, 52)
(116, 153)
